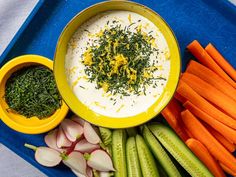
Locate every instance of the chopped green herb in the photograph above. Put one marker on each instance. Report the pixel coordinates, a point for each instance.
(32, 92)
(120, 61)
(131, 25)
(114, 21)
(82, 87)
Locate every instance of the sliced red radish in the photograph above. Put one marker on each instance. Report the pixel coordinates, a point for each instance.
(77, 173)
(51, 140)
(84, 146)
(78, 120)
(46, 156)
(62, 140)
(89, 173)
(72, 130)
(104, 174)
(76, 161)
(100, 160)
(90, 134)
(96, 129)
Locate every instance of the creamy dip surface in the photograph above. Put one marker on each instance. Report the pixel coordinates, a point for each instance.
(98, 100)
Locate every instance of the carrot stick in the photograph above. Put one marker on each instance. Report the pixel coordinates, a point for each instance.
(199, 52)
(226, 131)
(212, 78)
(188, 132)
(221, 61)
(203, 154)
(172, 115)
(179, 98)
(210, 93)
(187, 92)
(227, 169)
(200, 133)
(228, 145)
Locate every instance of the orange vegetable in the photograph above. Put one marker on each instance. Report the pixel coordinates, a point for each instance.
(214, 147)
(227, 170)
(228, 145)
(199, 52)
(212, 78)
(188, 132)
(188, 93)
(172, 115)
(179, 98)
(221, 61)
(210, 93)
(226, 131)
(203, 154)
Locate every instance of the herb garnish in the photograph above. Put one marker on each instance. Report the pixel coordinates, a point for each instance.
(32, 92)
(82, 87)
(120, 61)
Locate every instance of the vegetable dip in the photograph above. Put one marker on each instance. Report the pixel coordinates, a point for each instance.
(104, 96)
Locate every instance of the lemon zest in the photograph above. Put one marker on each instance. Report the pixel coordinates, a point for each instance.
(119, 109)
(118, 61)
(99, 105)
(105, 86)
(88, 58)
(129, 18)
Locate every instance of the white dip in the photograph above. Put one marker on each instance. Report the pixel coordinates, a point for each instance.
(97, 99)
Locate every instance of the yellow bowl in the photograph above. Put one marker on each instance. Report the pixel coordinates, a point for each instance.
(18, 122)
(82, 110)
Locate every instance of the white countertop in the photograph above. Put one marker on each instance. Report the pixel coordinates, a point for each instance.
(12, 165)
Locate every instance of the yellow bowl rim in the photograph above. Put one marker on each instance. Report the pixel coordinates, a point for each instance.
(105, 121)
(38, 60)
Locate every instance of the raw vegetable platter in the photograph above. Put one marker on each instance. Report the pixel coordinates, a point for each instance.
(205, 20)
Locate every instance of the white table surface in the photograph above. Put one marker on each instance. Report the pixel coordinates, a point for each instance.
(12, 165)
(12, 14)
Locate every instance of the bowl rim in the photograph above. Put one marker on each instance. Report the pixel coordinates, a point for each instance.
(8, 68)
(102, 120)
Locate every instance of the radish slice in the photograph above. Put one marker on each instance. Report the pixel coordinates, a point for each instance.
(88, 171)
(76, 161)
(104, 174)
(47, 157)
(78, 120)
(62, 140)
(90, 134)
(100, 160)
(84, 146)
(72, 130)
(51, 140)
(77, 173)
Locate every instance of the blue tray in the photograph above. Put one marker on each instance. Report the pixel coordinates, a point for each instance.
(204, 20)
